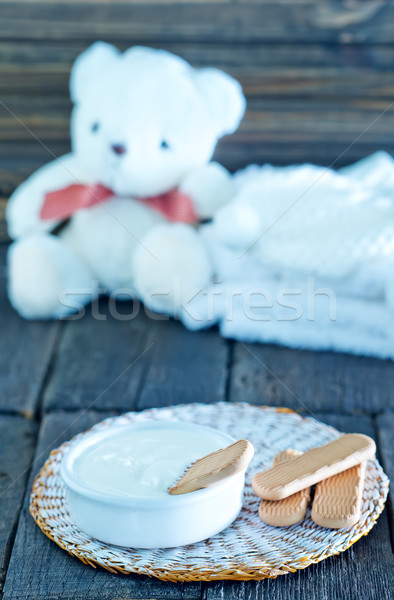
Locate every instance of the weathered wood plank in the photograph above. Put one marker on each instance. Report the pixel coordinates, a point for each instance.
(303, 121)
(184, 366)
(101, 360)
(364, 571)
(17, 163)
(3, 226)
(138, 363)
(44, 117)
(156, 2)
(285, 70)
(17, 437)
(25, 353)
(165, 2)
(291, 21)
(310, 381)
(385, 424)
(41, 570)
(349, 423)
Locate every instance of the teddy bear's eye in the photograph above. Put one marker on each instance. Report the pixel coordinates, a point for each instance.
(164, 145)
(95, 127)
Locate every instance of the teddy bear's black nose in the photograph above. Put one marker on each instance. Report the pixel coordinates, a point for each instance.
(119, 149)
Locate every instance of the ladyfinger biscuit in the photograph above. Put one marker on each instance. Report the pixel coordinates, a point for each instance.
(287, 478)
(214, 467)
(288, 511)
(337, 500)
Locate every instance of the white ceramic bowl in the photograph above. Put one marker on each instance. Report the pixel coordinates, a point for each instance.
(148, 522)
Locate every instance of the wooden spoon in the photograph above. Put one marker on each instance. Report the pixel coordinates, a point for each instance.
(215, 467)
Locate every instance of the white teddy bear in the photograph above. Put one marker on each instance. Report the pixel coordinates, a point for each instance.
(131, 192)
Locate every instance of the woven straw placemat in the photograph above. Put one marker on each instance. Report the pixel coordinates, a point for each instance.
(248, 549)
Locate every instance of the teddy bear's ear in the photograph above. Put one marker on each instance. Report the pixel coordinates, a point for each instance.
(224, 98)
(89, 65)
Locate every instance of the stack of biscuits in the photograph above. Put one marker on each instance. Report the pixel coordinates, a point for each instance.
(337, 471)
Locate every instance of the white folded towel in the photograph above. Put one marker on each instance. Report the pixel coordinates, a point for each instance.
(305, 257)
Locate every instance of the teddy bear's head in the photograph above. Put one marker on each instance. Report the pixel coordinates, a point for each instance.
(143, 119)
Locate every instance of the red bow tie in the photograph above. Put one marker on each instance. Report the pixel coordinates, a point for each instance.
(62, 204)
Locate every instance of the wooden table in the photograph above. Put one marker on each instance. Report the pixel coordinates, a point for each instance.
(319, 82)
(57, 379)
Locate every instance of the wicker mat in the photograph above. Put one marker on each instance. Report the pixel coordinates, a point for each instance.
(248, 549)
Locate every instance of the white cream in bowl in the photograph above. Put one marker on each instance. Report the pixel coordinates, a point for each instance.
(117, 479)
(145, 462)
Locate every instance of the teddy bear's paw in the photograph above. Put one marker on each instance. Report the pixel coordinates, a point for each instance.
(170, 266)
(45, 280)
(210, 186)
(237, 226)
